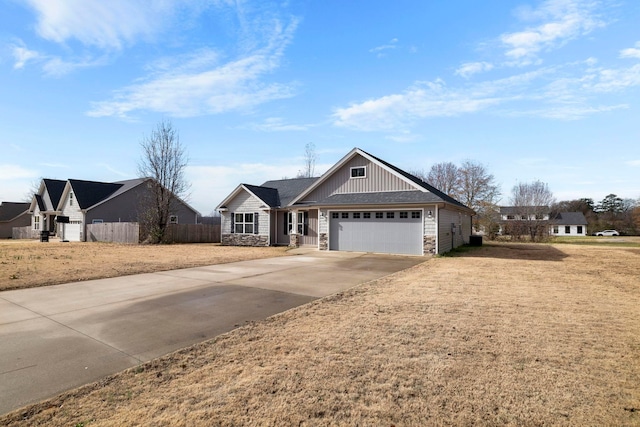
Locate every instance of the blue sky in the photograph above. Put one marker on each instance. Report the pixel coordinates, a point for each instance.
(534, 90)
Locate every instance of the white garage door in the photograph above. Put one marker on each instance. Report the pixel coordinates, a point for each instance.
(393, 232)
(72, 231)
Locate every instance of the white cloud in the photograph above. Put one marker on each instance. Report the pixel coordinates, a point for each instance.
(9, 172)
(566, 92)
(277, 124)
(422, 100)
(23, 55)
(211, 184)
(379, 50)
(561, 21)
(107, 25)
(15, 181)
(470, 68)
(191, 90)
(632, 52)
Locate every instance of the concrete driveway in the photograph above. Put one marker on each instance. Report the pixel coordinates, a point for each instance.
(57, 338)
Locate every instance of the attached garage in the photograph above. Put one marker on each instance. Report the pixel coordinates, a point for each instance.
(394, 231)
(73, 231)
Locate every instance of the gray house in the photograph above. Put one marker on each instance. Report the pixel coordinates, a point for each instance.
(362, 203)
(13, 214)
(87, 202)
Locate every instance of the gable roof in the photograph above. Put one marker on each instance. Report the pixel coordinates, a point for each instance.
(417, 183)
(288, 189)
(268, 195)
(11, 210)
(274, 194)
(54, 187)
(569, 218)
(89, 193)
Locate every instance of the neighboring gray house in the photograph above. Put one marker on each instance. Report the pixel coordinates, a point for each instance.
(568, 224)
(362, 203)
(13, 214)
(87, 202)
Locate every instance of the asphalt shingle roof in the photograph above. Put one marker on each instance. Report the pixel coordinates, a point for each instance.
(10, 210)
(289, 189)
(440, 195)
(88, 193)
(382, 198)
(55, 187)
(569, 218)
(266, 194)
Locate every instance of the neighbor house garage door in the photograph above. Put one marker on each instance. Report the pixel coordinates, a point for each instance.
(393, 232)
(72, 231)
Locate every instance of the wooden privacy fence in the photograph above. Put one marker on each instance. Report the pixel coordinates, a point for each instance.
(118, 232)
(192, 233)
(24, 233)
(129, 232)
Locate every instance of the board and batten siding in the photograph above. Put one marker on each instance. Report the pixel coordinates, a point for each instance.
(377, 179)
(246, 203)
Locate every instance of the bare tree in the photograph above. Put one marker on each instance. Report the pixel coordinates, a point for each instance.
(164, 160)
(34, 187)
(477, 185)
(309, 161)
(446, 178)
(532, 203)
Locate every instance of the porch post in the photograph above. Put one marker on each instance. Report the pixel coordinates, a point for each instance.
(294, 241)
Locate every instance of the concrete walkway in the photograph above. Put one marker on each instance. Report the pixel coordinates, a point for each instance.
(60, 337)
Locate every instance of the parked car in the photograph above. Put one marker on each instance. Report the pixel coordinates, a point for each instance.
(607, 233)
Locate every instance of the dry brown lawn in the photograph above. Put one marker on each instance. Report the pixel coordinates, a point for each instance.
(508, 334)
(28, 263)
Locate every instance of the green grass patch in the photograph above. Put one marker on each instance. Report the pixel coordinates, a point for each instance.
(617, 241)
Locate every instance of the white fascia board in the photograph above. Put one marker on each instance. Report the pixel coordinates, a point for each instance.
(230, 197)
(342, 162)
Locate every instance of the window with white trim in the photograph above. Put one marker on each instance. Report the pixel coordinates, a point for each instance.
(358, 172)
(345, 215)
(335, 215)
(243, 223)
(36, 222)
(303, 223)
(173, 219)
(70, 199)
(555, 229)
(379, 215)
(415, 214)
(391, 214)
(579, 230)
(366, 215)
(404, 214)
(567, 229)
(356, 215)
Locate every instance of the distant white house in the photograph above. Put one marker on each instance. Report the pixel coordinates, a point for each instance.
(568, 224)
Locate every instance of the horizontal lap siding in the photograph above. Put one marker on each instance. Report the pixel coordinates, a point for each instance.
(377, 179)
(245, 203)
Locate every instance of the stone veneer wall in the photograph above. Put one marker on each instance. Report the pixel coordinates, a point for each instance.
(245, 240)
(324, 241)
(294, 240)
(429, 245)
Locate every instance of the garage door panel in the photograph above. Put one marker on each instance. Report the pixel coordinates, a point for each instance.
(386, 235)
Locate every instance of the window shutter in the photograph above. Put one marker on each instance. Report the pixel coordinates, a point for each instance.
(233, 220)
(285, 224)
(255, 223)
